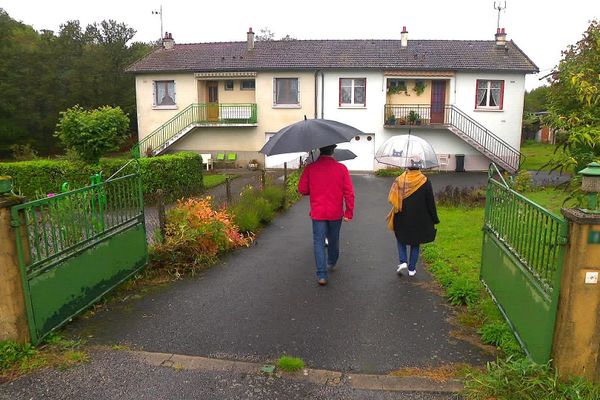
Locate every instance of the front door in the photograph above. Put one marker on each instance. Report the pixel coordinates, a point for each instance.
(438, 101)
(212, 100)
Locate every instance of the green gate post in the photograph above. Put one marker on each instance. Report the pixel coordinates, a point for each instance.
(13, 313)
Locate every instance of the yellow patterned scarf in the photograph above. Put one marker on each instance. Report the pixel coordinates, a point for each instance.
(404, 185)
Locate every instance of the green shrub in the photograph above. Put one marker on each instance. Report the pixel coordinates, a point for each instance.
(275, 195)
(389, 172)
(292, 194)
(290, 364)
(23, 152)
(522, 181)
(246, 219)
(463, 291)
(92, 133)
(177, 175)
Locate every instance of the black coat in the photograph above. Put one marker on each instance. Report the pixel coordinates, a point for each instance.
(415, 223)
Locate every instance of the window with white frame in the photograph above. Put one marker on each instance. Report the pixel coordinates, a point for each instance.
(247, 84)
(490, 94)
(353, 92)
(164, 93)
(286, 91)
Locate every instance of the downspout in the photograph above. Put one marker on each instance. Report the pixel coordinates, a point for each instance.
(317, 72)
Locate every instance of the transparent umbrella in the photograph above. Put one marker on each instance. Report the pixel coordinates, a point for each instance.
(406, 151)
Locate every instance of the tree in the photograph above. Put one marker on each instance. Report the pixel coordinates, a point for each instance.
(574, 102)
(536, 100)
(267, 35)
(93, 133)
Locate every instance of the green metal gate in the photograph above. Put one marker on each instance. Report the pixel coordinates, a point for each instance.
(76, 246)
(521, 264)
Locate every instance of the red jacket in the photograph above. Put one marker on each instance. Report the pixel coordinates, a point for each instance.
(328, 184)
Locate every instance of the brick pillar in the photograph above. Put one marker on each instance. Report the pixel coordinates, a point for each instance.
(13, 314)
(576, 345)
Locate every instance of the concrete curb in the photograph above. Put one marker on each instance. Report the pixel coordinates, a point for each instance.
(317, 376)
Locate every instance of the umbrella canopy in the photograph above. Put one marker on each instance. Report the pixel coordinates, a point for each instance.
(308, 135)
(406, 151)
(341, 155)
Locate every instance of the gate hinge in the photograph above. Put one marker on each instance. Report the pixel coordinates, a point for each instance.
(15, 223)
(563, 240)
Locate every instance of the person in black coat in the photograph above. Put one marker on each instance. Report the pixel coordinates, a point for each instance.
(413, 216)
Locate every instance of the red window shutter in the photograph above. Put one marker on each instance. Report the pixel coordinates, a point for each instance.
(502, 95)
(476, 89)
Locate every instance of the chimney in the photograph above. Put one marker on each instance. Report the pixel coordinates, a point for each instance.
(500, 37)
(250, 39)
(404, 37)
(168, 42)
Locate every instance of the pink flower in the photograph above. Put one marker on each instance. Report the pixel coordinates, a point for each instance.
(51, 195)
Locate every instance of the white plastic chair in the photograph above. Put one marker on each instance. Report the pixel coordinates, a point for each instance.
(207, 159)
(443, 161)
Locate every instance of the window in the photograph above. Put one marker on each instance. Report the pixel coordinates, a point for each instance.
(396, 86)
(228, 85)
(164, 93)
(247, 84)
(286, 91)
(490, 95)
(353, 91)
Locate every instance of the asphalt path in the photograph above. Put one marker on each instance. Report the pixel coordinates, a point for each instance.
(262, 302)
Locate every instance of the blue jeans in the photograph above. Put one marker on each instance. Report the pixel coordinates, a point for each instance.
(326, 255)
(414, 255)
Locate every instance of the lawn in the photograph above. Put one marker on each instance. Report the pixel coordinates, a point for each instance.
(550, 198)
(536, 155)
(213, 180)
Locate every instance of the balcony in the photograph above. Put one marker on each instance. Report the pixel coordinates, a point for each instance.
(414, 115)
(219, 114)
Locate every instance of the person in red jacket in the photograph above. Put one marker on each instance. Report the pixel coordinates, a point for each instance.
(329, 185)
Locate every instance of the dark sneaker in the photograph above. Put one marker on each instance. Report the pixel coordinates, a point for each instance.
(322, 281)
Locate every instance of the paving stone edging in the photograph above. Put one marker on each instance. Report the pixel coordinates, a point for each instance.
(317, 376)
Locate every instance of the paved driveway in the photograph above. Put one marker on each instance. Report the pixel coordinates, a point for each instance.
(262, 302)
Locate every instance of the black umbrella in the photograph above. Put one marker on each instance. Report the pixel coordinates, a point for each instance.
(308, 135)
(342, 155)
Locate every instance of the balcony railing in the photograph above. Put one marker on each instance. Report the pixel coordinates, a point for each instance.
(195, 115)
(458, 122)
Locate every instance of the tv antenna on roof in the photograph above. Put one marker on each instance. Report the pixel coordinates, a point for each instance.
(498, 6)
(159, 13)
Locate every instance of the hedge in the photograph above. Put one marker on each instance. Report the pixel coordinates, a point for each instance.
(178, 174)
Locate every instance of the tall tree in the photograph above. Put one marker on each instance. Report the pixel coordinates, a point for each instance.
(574, 101)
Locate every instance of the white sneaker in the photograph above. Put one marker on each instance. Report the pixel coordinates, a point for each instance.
(402, 268)
(412, 273)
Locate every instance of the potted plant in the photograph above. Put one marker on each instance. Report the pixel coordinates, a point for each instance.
(414, 118)
(401, 121)
(419, 87)
(253, 164)
(391, 120)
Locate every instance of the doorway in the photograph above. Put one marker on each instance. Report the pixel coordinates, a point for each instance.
(212, 100)
(438, 101)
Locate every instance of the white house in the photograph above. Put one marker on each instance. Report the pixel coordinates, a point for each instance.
(464, 97)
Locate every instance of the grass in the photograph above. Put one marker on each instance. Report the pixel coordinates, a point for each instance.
(290, 364)
(456, 267)
(213, 180)
(549, 198)
(536, 155)
(56, 352)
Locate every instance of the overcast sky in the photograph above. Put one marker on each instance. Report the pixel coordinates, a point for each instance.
(542, 29)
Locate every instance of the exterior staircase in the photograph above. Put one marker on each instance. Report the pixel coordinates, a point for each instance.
(195, 116)
(463, 126)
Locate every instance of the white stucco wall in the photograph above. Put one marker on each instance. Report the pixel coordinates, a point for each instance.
(505, 123)
(150, 118)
